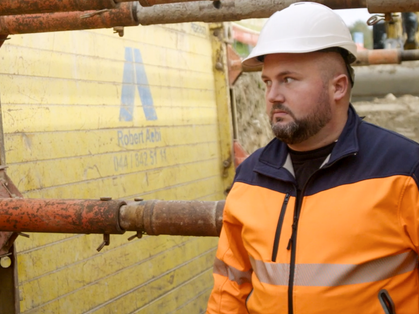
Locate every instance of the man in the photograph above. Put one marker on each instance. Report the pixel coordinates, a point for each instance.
(325, 218)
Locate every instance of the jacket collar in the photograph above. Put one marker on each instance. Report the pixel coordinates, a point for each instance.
(274, 160)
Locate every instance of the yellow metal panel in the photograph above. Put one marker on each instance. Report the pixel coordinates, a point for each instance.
(197, 305)
(93, 68)
(68, 136)
(126, 184)
(41, 118)
(35, 175)
(204, 189)
(24, 147)
(158, 275)
(130, 252)
(171, 301)
(222, 94)
(190, 38)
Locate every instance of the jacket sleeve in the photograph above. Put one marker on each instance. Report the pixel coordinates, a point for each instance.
(409, 208)
(232, 270)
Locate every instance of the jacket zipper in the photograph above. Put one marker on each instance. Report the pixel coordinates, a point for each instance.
(293, 239)
(386, 302)
(292, 245)
(279, 227)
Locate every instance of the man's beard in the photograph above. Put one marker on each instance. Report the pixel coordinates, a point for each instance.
(302, 129)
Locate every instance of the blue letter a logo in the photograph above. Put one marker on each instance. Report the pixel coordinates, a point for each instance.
(135, 78)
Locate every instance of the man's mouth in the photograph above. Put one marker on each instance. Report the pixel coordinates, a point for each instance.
(278, 115)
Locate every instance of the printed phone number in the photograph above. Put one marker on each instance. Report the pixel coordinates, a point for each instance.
(146, 158)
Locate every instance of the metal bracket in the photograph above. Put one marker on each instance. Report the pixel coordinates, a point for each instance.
(138, 235)
(387, 17)
(119, 30)
(106, 241)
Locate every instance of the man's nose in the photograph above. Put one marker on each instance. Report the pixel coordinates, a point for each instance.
(274, 94)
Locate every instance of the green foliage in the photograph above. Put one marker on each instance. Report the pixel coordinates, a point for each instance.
(361, 26)
(243, 50)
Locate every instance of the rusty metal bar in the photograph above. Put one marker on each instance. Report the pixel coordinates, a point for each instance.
(154, 217)
(149, 3)
(14, 7)
(410, 55)
(229, 10)
(7, 190)
(124, 14)
(188, 218)
(386, 56)
(60, 216)
(389, 6)
(234, 10)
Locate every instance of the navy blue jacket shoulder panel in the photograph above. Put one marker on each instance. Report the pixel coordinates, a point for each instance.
(363, 151)
(265, 174)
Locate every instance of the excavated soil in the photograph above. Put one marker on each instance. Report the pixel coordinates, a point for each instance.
(399, 114)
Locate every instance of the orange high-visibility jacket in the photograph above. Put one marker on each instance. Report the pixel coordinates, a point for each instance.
(350, 248)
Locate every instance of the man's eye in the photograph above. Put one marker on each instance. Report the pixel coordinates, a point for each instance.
(268, 83)
(288, 80)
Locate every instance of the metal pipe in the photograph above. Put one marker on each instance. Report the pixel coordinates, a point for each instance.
(389, 6)
(149, 3)
(188, 218)
(386, 56)
(60, 216)
(14, 7)
(154, 217)
(124, 14)
(229, 10)
(234, 10)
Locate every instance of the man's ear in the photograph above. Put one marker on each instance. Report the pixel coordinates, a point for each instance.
(340, 86)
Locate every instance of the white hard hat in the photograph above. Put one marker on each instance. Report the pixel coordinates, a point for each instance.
(300, 28)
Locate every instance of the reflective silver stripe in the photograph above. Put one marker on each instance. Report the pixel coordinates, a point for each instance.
(232, 273)
(272, 273)
(330, 275)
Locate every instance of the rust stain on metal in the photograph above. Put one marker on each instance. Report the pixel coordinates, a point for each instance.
(16, 7)
(7, 188)
(60, 216)
(147, 3)
(389, 6)
(124, 14)
(343, 4)
(188, 218)
(380, 56)
(228, 10)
